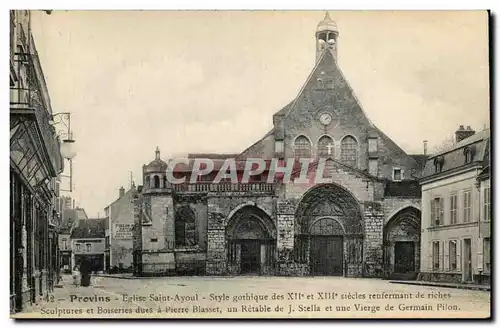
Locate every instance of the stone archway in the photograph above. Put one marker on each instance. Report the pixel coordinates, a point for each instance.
(402, 244)
(251, 242)
(329, 232)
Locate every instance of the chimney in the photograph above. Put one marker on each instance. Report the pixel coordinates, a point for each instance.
(463, 133)
(122, 192)
(425, 147)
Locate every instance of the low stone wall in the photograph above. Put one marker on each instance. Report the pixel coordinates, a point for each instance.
(292, 269)
(441, 277)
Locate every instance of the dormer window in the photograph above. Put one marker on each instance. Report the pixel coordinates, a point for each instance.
(469, 154)
(438, 164)
(397, 174)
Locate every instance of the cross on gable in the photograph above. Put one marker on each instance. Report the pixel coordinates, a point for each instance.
(329, 147)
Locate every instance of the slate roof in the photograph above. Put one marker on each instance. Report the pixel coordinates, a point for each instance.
(454, 157)
(421, 160)
(66, 225)
(69, 219)
(91, 228)
(124, 195)
(212, 156)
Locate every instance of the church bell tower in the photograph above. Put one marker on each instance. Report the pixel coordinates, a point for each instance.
(327, 35)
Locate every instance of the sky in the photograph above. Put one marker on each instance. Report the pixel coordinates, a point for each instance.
(189, 81)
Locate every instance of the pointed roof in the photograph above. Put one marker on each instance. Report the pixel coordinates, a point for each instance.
(327, 24)
(327, 71)
(157, 165)
(91, 228)
(316, 94)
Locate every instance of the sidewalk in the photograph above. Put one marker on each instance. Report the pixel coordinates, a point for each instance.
(121, 276)
(442, 284)
(61, 297)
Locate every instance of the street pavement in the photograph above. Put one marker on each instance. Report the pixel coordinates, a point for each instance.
(258, 297)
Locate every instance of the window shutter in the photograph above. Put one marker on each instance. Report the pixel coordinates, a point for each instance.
(441, 211)
(441, 257)
(480, 257)
(433, 213)
(431, 264)
(459, 255)
(446, 264)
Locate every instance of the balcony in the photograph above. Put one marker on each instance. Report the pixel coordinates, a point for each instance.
(224, 187)
(30, 107)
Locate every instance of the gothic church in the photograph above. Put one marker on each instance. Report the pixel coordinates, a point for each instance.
(362, 221)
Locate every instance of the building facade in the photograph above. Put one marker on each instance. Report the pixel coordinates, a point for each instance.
(456, 211)
(362, 219)
(70, 218)
(121, 224)
(35, 164)
(88, 241)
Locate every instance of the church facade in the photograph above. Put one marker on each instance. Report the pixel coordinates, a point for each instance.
(361, 219)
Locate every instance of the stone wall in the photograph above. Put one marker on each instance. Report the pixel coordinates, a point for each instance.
(158, 263)
(198, 204)
(373, 240)
(190, 263)
(392, 205)
(216, 250)
(360, 187)
(220, 208)
(285, 239)
(162, 227)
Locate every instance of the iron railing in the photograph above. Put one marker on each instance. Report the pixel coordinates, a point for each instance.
(261, 187)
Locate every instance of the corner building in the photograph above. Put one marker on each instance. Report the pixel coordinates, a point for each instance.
(362, 219)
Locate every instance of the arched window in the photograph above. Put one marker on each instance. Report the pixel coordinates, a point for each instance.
(157, 181)
(349, 151)
(147, 183)
(165, 181)
(326, 147)
(185, 227)
(302, 147)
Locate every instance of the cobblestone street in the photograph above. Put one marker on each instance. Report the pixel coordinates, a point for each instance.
(187, 297)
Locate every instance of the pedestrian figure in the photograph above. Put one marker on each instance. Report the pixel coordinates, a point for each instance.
(76, 276)
(85, 271)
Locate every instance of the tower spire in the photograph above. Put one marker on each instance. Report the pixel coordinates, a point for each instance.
(327, 34)
(157, 153)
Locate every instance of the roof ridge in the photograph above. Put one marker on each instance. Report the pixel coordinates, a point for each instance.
(309, 77)
(476, 137)
(316, 162)
(255, 143)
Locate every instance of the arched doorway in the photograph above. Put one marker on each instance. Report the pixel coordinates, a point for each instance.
(329, 232)
(402, 244)
(251, 246)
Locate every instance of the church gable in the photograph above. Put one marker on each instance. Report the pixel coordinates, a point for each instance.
(327, 118)
(326, 91)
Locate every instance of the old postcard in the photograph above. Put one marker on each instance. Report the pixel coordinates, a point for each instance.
(249, 164)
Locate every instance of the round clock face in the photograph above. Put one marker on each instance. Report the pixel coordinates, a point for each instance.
(325, 118)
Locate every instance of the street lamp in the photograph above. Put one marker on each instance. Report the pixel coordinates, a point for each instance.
(67, 149)
(67, 146)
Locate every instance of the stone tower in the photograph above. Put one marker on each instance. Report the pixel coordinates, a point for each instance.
(327, 34)
(156, 213)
